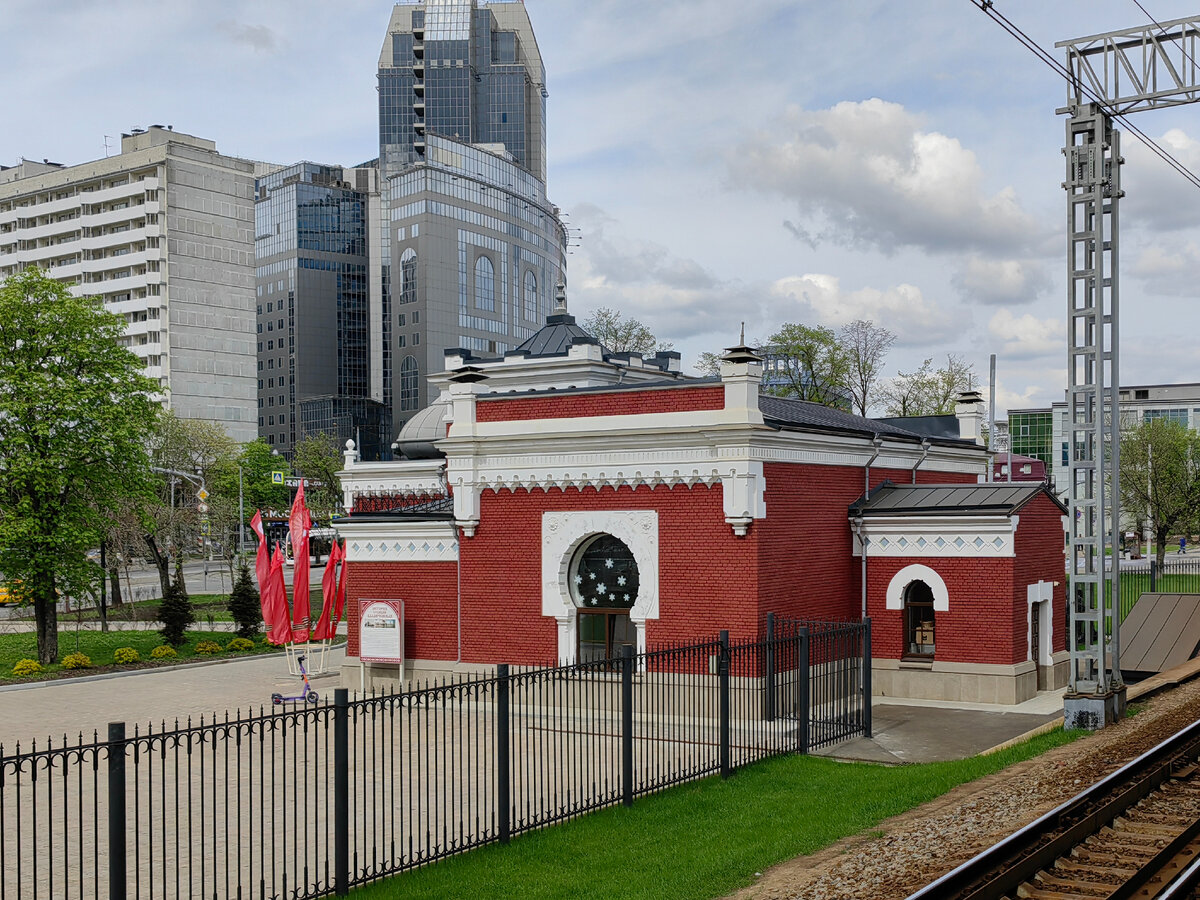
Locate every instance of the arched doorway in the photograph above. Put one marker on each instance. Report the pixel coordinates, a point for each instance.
(918, 620)
(604, 587)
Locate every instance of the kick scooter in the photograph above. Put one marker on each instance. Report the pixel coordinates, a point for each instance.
(306, 695)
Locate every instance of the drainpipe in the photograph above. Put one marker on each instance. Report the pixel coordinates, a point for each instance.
(862, 544)
(877, 443)
(924, 453)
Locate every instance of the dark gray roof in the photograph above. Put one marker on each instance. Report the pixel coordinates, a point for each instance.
(930, 426)
(555, 338)
(996, 498)
(785, 411)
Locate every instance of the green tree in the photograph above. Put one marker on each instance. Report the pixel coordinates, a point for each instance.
(318, 459)
(807, 362)
(866, 346)
(1160, 474)
(259, 492)
(176, 612)
(245, 605)
(927, 391)
(77, 414)
(622, 335)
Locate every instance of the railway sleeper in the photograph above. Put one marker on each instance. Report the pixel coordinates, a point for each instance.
(1150, 841)
(1086, 882)
(1100, 874)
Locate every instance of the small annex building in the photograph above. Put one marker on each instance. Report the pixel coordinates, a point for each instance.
(563, 501)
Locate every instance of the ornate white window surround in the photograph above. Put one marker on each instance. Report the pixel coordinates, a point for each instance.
(917, 572)
(976, 537)
(1043, 593)
(562, 535)
(398, 541)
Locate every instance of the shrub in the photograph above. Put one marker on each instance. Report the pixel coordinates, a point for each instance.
(76, 661)
(26, 667)
(176, 613)
(163, 651)
(244, 604)
(124, 656)
(240, 643)
(208, 647)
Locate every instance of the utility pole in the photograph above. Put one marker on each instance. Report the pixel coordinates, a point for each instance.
(241, 516)
(1111, 74)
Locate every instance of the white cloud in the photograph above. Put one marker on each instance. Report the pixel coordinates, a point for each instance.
(1001, 281)
(865, 173)
(1156, 196)
(1026, 336)
(902, 308)
(1169, 268)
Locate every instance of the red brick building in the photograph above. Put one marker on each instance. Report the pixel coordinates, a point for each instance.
(564, 500)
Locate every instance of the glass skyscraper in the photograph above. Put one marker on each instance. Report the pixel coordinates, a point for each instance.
(314, 310)
(471, 249)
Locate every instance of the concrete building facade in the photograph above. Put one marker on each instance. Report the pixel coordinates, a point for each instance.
(162, 233)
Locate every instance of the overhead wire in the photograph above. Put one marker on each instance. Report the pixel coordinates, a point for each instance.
(988, 7)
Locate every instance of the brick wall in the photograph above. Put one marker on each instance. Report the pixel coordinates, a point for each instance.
(1041, 555)
(614, 403)
(430, 593)
(805, 546)
(979, 626)
(707, 578)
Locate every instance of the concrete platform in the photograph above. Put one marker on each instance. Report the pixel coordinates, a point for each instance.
(917, 731)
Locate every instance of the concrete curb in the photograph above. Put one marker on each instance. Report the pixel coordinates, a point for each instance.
(1140, 691)
(105, 676)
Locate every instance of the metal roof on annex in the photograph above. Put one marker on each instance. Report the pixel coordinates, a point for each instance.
(782, 412)
(995, 499)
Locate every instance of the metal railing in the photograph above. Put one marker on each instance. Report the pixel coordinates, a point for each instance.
(308, 801)
(1138, 577)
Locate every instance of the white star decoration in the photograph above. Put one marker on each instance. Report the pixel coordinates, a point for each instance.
(592, 575)
(594, 601)
(600, 589)
(626, 598)
(612, 596)
(608, 564)
(621, 581)
(579, 579)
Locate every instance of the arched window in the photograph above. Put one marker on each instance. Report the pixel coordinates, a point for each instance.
(408, 276)
(485, 285)
(409, 384)
(604, 585)
(531, 298)
(918, 620)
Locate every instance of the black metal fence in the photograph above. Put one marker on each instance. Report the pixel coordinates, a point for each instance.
(1138, 577)
(308, 801)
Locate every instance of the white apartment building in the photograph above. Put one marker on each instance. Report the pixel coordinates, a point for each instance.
(163, 234)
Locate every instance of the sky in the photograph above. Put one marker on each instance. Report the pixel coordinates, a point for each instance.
(756, 161)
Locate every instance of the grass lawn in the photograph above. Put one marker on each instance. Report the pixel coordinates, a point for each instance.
(703, 839)
(99, 646)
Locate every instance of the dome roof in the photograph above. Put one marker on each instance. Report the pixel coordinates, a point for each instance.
(416, 440)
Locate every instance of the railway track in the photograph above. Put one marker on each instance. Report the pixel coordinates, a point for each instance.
(1134, 834)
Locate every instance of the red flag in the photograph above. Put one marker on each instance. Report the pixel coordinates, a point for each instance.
(300, 523)
(341, 592)
(323, 631)
(275, 605)
(262, 562)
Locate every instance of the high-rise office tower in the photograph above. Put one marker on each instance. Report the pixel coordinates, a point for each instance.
(161, 232)
(316, 307)
(471, 249)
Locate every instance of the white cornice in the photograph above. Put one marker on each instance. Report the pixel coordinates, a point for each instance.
(398, 540)
(939, 536)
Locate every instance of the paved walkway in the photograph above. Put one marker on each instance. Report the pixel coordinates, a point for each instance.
(149, 695)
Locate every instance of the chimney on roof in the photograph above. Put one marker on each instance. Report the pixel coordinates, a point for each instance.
(968, 409)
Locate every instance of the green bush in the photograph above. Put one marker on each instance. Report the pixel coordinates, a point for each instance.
(175, 611)
(124, 656)
(76, 661)
(244, 604)
(26, 667)
(163, 651)
(208, 647)
(240, 643)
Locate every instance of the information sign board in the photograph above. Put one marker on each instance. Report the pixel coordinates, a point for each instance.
(381, 631)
